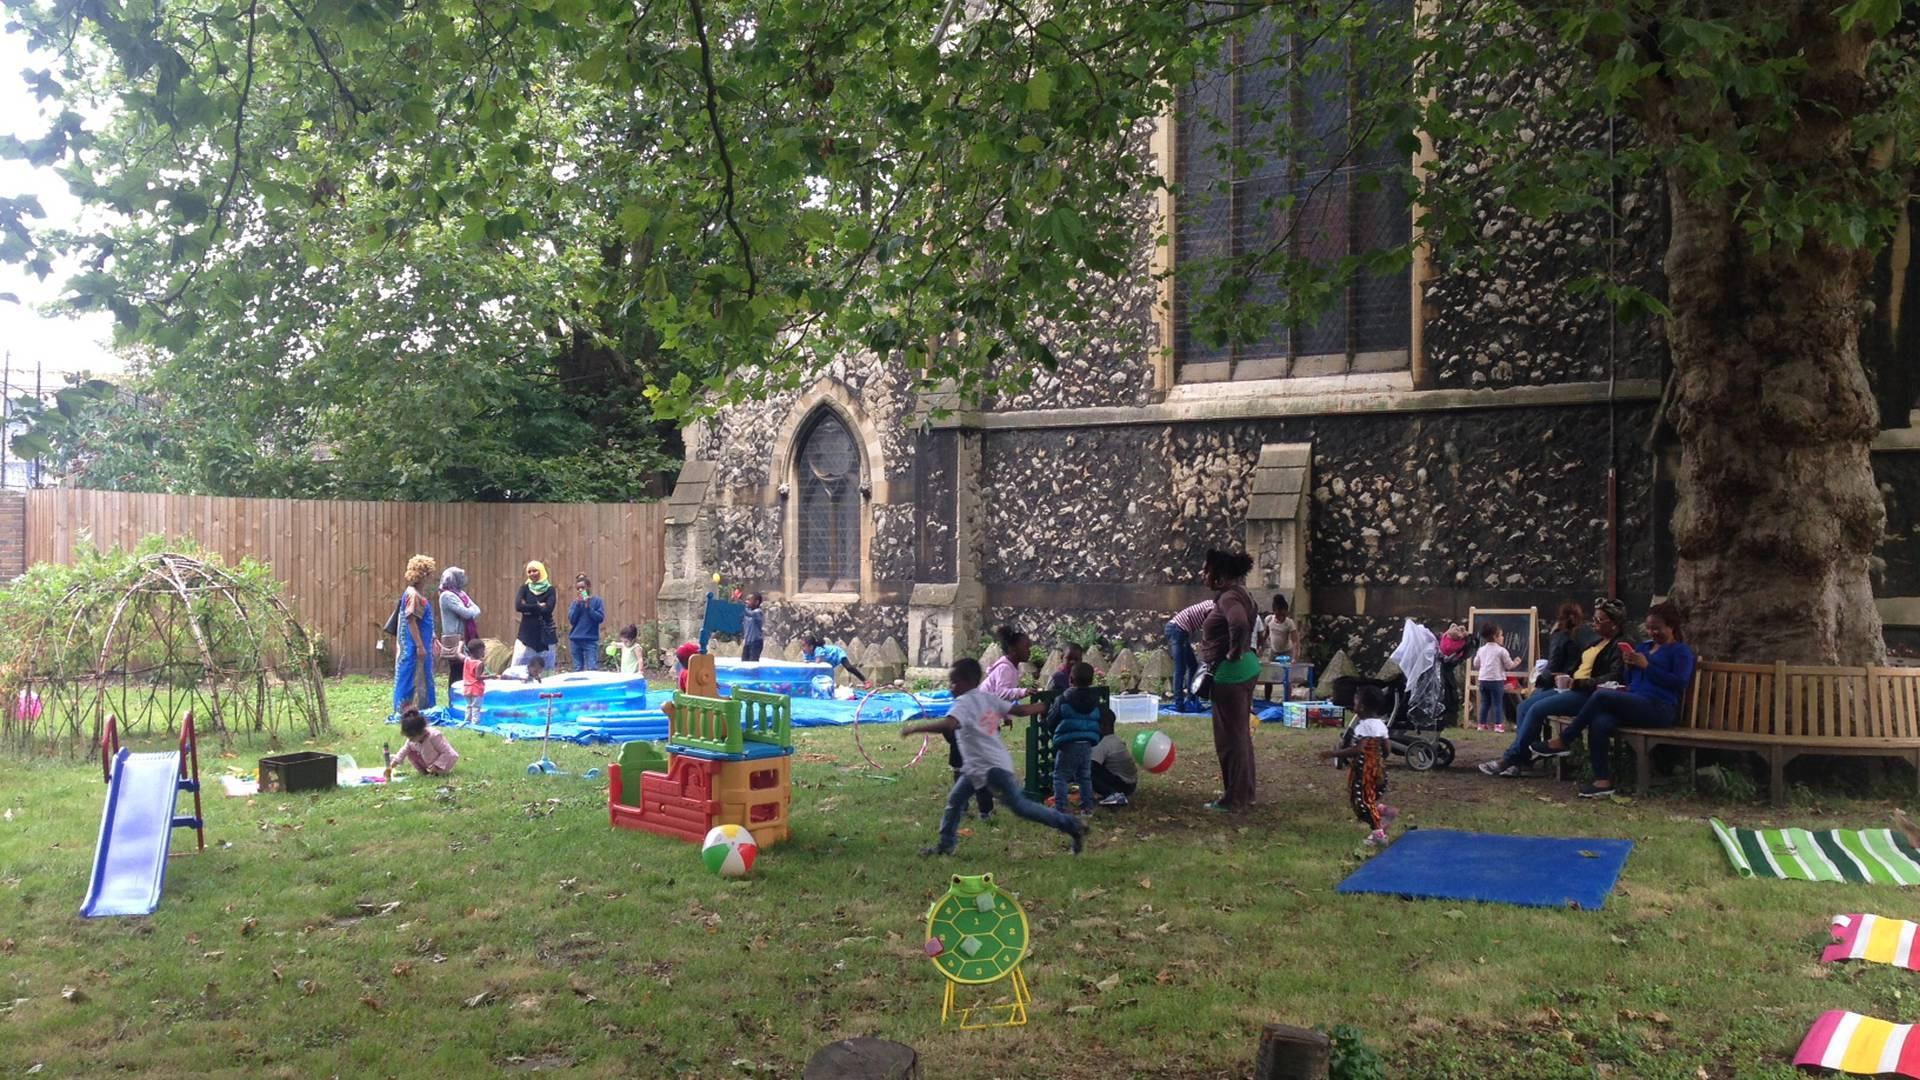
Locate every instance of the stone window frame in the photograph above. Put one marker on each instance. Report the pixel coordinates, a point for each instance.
(833, 395)
(1409, 370)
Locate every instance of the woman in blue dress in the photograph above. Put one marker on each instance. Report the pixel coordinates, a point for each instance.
(413, 643)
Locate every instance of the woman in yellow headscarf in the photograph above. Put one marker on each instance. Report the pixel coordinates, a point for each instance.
(535, 603)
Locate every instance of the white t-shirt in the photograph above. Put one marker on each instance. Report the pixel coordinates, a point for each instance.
(1371, 728)
(1493, 663)
(979, 714)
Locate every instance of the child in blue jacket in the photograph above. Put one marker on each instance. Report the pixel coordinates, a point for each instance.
(1075, 720)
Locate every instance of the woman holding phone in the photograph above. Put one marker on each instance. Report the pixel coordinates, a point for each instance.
(1658, 671)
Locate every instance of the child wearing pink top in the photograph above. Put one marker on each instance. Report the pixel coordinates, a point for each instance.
(474, 683)
(429, 750)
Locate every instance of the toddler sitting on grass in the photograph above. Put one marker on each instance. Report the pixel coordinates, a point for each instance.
(426, 748)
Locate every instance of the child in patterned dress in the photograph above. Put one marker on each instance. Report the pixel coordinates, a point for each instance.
(1366, 759)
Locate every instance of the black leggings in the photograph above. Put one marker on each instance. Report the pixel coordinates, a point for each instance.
(456, 667)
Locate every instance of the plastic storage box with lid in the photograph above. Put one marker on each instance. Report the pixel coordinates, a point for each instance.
(1135, 708)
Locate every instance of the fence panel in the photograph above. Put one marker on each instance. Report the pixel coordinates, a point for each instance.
(342, 561)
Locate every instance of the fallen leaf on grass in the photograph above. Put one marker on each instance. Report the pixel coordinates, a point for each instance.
(1107, 983)
(277, 976)
(1454, 913)
(1146, 883)
(370, 1002)
(214, 955)
(479, 999)
(73, 994)
(248, 926)
(1616, 939)
(1090, 894)
(1163, 977)
(308, 987)
(403, 969)
(8, 947)
(1079, 1009)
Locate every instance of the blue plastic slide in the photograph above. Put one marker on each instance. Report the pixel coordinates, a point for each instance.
(131, 862)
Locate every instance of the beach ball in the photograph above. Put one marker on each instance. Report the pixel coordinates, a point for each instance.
(729, 850)
(1153, 750)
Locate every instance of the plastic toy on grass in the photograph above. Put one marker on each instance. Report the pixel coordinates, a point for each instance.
(1153, 750)
(728, 762)
(925, 740)
(729, 851)
(545, 766)
(136, 828)
(977, 935)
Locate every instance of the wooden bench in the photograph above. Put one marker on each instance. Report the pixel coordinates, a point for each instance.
(1782, 711)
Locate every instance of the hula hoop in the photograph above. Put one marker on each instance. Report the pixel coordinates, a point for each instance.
(926, 740)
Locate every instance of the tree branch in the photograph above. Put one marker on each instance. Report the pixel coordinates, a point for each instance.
(233, 174)
(720, 141)
(320, 50)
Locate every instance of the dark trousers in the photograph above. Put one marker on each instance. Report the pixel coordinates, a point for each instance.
(1105, 783)
(1233, 742)
(750, 650)
(1185, 665)
(1607, 710)
(456, 668)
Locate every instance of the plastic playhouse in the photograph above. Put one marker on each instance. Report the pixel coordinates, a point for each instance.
(727, 761)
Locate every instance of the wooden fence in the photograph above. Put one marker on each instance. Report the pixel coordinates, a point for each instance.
(342, 561)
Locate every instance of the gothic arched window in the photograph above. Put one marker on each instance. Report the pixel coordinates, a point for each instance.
(826, 483)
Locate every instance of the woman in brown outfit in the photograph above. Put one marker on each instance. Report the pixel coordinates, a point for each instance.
(1225, 648)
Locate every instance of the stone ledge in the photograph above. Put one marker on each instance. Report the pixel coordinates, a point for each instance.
(1260, 401)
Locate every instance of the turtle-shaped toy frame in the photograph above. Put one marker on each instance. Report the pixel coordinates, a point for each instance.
(978, 934)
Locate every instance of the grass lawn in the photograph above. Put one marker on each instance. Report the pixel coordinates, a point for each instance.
(528, 934)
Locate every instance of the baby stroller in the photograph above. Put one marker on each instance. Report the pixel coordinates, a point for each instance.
(1416, 712)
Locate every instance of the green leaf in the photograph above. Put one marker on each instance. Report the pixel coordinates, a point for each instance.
(1039, 91)
(1881, 15)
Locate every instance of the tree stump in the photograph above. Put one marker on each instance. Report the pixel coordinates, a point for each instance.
(1291, 1053)
(873, 1059)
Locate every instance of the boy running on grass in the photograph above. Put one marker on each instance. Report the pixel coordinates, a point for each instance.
(975, 721)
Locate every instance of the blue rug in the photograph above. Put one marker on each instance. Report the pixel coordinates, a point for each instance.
(1530, 871)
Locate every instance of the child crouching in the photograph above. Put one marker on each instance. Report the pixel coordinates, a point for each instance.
(1366, 760)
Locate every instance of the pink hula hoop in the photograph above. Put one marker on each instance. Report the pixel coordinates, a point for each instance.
(925, 740)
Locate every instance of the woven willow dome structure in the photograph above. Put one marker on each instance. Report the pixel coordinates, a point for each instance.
(148, 637)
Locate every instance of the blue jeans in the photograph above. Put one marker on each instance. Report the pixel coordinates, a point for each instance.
(1185, 666)
(586, 654)
(1530, 724)
(1493, 703)
(1610, 709)
(1002, 784)
(1073, 764)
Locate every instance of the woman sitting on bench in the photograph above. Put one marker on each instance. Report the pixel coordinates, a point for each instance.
(1657, 675)
(1598, 663)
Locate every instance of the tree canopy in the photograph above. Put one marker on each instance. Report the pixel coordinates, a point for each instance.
(377, 226)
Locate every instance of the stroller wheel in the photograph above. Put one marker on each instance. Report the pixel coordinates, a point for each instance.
(1443, 752)
(1420, 755)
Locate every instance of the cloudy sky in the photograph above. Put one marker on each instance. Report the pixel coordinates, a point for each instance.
(59, 344)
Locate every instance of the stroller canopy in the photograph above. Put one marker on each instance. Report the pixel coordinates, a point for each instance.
(1418, 657)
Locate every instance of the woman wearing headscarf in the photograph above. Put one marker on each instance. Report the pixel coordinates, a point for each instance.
(1229, 662)
(538, 636)
(457, 626)
(412, 656)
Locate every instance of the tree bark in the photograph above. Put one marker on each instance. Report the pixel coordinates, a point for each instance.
(1778, 512)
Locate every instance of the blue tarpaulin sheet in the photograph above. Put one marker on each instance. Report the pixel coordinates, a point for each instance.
(1529, 871)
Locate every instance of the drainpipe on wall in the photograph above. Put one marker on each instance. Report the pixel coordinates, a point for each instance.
(1613, 324)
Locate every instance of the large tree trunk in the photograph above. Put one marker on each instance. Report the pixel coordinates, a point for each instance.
(1778, 511)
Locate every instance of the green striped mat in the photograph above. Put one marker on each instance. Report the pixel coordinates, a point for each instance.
(1878, 856)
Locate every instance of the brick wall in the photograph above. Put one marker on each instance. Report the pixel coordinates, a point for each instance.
(13, 535)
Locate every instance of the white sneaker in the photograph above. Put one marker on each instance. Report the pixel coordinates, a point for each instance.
(1491, 768)
(1115, 799)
